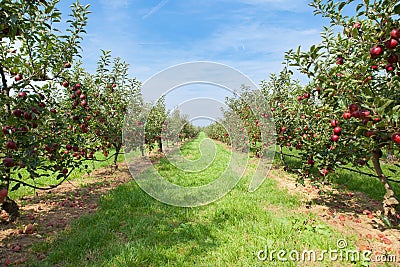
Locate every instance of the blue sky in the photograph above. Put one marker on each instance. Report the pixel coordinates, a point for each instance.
(248, 35)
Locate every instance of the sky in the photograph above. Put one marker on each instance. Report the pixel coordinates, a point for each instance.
(250, 36)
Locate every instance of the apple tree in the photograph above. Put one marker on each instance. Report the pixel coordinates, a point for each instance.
(35, 57)
(356, 79)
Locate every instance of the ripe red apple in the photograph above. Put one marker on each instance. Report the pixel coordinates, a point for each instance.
(3, 194)
(299, 98)
(88, 117)
(67, 65)
(18, 77)
(389, 67)
(22, 95)
(337, 130)
(393, 59)
(395, 33)
(27, 116)
(376, 51)
(339, 60)
(357, 25)
(353, 107)
(8, 162)
(79, 92)
(364, 113)
(65, 171)
(310, 162)
(53, 111)
(17, 112)
(34, 125)
(272, 109)
(396, 138)
(391, 44)
(334, 123)
(77, 86)
(83, 103)
(347, 115)
(306, 95)
(374, 67)
(6, 130)
(11, 145)
(335, 138)
(82, 96)
(114, 85)
(283, 129)
(356, 114)
(65, 84)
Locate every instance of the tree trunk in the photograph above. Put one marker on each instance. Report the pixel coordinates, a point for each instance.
(285, 166)
(389, 200)
(141, 150)
(117, 150)
(160, 148)
(11, 208)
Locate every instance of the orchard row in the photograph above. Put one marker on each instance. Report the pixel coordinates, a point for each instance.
(348, 112)
(55, 115)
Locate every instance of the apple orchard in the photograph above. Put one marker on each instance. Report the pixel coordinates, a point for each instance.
(57, 117)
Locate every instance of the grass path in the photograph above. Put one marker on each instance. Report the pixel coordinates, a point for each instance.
(132, 229)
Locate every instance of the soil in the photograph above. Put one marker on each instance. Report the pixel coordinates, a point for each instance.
(48, 213)
(351, 213)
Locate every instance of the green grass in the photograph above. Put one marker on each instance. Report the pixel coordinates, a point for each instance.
(132, 229)
(353, 181)
(76, 174)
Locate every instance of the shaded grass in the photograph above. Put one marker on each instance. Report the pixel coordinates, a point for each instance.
(132, 229)
(353, 181)
(76, 174)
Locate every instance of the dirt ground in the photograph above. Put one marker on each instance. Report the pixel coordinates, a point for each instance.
(352, 213)
(50, 212)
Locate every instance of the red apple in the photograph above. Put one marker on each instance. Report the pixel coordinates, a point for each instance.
(18, 77)
(396, 138)
(27, 116)
(334, 123)
(353, 107)
(82, 96)
(347, 115)
(67, 65)
(6, 130)
(357, 25)
(300, 97)
(339, 60)
(17, 112)
(337, 130)
(65, 84)
(11, 145)
(335, 138)
(83, 103)
(77, 86)
(306, 95)
(8, 162)
(22, 95)
(389, 67)
(376, 51)
(283, 129)
(53, 111)
(310, 162)
(395, 33)
(393, 59)
(391, 44)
